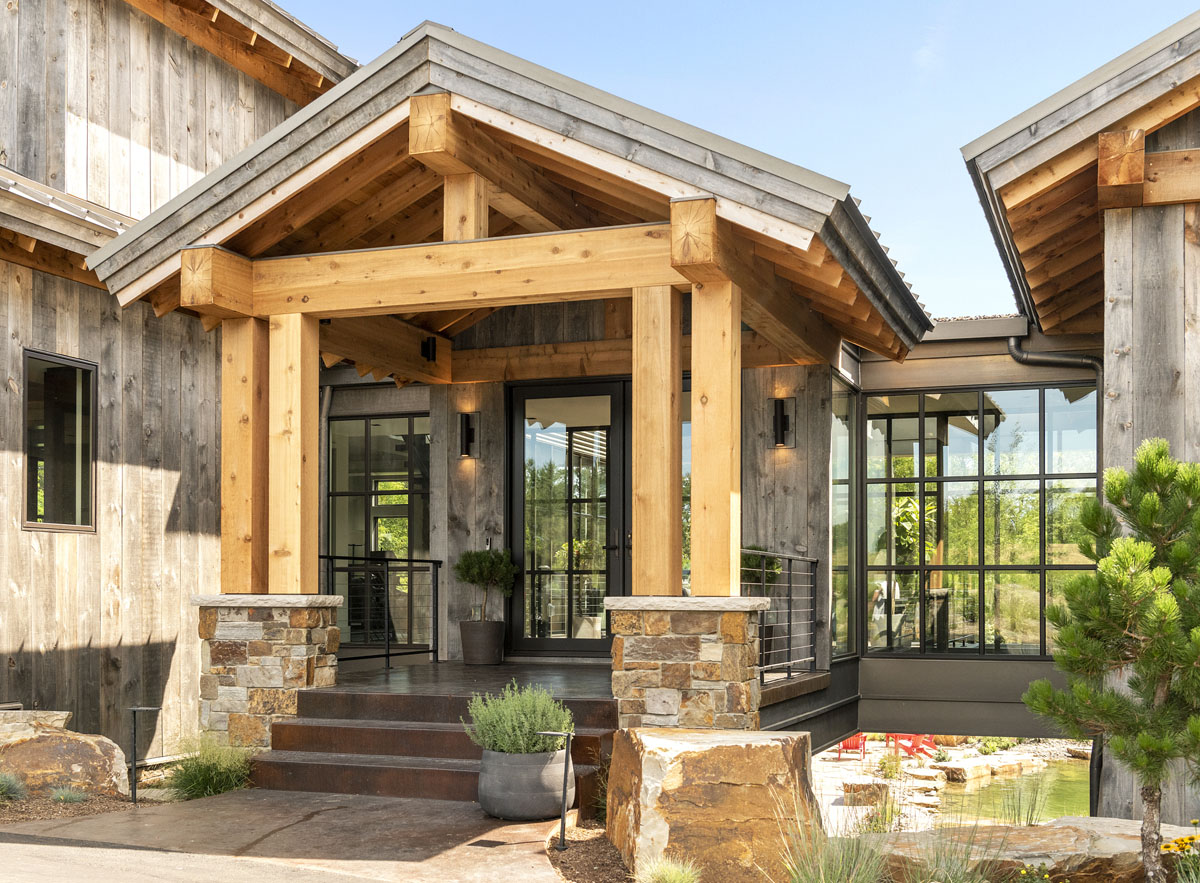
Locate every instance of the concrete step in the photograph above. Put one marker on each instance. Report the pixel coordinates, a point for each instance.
(348, 704)
(407, 739)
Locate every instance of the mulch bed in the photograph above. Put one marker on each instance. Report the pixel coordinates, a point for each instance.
(589, 856)
(39, 808)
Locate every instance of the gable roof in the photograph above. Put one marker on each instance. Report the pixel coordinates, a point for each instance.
(778, 199)
(1036, 174)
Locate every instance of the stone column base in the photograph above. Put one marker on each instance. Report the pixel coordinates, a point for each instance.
(256, 653)
(686, 662)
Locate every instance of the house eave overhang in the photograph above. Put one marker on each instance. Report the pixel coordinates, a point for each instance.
(435, 58)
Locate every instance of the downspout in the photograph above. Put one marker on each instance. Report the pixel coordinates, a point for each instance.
(1074, 360)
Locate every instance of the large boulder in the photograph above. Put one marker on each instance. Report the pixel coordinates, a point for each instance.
(46, 757)
(709, 796)
(1079, 849)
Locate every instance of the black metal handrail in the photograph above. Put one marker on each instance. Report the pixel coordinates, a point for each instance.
(787, 630)
(389, 601)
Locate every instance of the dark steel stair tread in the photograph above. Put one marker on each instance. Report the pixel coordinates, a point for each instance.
(442, 726)
(449, 764)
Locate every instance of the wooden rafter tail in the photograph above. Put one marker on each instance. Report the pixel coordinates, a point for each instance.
(331, 359)
(363, 370)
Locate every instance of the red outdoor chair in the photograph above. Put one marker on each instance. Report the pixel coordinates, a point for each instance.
(912, 744)
(854, 743)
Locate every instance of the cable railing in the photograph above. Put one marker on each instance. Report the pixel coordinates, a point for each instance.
(787, 630)
(389, 606)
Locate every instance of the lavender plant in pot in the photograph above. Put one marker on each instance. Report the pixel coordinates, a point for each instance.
(491, 570)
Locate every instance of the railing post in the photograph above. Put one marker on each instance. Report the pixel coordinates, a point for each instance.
(434, 619)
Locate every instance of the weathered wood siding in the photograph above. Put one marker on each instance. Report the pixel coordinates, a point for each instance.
(97, 622)
(536, 324)
(101, 101)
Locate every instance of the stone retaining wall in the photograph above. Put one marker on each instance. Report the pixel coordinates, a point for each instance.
(686, 662)
(256, 653)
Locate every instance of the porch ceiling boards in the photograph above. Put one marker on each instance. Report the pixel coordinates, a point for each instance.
(1041, 175)
(376, 172)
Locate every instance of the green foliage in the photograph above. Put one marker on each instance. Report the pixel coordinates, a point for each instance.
(1025, 804)
(11, 788)
(1129, 633)
(960, 855)
(992, 744)
(600, 801)
(941, 756)
(812, 855)
(210, 768)
(1186, 853)
(488, 569)
(667, 870)
(510, 723)
(67, 795)
(760, 567)
(889, 767)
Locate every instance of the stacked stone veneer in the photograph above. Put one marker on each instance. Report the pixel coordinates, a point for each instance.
(686, 662)
(256, 653)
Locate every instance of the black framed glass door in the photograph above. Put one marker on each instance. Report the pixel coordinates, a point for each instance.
(569, 510)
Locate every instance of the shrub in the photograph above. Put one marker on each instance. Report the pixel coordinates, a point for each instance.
(67, 795)
(510, 723)
(210, 768)
(941, 756)
(889, 767)
(487, 569)
(11, 788)
(667, 870)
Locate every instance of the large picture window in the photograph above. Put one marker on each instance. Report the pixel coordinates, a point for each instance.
(972, 516)
(379, 511)
(59, 450)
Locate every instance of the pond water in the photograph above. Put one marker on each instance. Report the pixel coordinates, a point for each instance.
(1061, 789)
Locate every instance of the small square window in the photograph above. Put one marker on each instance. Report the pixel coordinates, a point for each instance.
(59, 449)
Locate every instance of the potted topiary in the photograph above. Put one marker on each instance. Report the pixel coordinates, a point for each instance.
(487, 569)
(521, 775)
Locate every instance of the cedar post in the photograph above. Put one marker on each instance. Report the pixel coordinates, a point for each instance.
(244, 484)
(716, 438)
(294, 429)
(657, 442)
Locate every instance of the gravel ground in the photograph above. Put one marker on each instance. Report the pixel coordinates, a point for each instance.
(589, 857)
(39, 808)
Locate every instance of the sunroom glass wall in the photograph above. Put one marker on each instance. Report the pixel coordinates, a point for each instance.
(972, 504)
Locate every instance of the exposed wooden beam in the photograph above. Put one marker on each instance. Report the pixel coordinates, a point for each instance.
(293, 420)
(216, 282)
(465, 208)
(375, 211)
(576, 265)
(1120, 168)
(245, 486)
(389, 345)
(704, 250)
(48, 259)
(454, 145)
(716, 438)
(587, 358)
(618, 318)
(657, 441)
(200, 31)
(1172, 176)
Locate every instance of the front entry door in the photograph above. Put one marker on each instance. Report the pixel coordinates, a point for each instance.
(569, 513)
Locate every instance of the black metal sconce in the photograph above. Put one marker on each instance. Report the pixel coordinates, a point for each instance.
(466, 435)
(782, 419)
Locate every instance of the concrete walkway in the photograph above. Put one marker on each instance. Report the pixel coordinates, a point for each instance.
(266, 836)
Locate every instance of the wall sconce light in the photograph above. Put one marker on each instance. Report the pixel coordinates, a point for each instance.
(467, 422)
(783, 419)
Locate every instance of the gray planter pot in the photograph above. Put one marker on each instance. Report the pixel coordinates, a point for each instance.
(524, 787)
(482, 642)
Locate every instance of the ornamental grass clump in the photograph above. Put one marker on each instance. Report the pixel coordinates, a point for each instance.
(810, 855)
(667, 870)
(67, 795)
(510, 723)
(11, 788)
(210, 768)
(1129, 633)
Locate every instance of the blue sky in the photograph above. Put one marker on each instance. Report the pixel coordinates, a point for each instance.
(880, 95)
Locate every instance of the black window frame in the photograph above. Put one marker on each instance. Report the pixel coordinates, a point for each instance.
(67, 362)
(981, 478)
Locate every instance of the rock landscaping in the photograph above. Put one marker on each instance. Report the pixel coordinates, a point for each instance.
(36, 747)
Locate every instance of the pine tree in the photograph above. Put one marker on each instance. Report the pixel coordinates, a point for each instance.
(1129, 633)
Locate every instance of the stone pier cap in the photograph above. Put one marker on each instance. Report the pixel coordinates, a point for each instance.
(266, 600)
(693, 604)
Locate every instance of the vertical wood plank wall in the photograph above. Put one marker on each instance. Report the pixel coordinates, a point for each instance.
(96, 622)
(106, 104)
